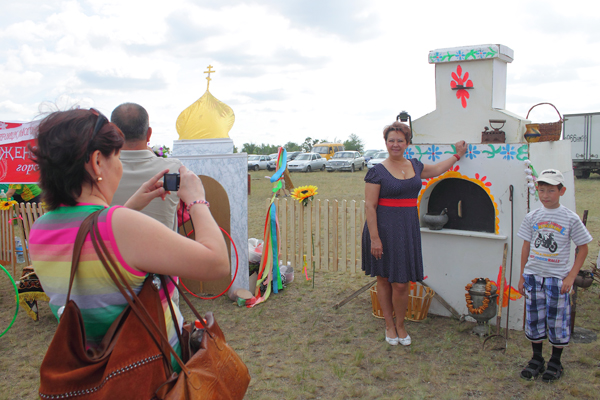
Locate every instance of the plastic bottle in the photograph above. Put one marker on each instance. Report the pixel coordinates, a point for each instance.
(2, 195)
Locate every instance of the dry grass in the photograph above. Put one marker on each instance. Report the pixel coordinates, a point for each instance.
(298, 347)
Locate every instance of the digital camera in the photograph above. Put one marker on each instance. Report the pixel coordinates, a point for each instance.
(171, 182)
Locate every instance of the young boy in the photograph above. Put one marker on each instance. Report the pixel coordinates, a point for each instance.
(546, 277)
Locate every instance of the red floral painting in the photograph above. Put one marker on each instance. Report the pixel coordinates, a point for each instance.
(460, 82)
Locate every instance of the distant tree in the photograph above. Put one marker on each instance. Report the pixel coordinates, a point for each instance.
(354, 143)
(291, 146)
(268, 148)
(309, 143)
(250, 148)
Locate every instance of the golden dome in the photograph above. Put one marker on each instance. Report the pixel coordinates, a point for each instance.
(206, 118)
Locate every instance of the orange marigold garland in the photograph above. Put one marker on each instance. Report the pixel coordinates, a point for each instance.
(486, 299)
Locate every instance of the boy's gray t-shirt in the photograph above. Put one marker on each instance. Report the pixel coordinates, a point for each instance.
(550, 232)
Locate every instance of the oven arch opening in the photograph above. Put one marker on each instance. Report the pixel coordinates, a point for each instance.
(469, 206)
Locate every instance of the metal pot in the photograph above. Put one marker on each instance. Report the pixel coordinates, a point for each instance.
(477, 293)
(584, 279)
(435, 222)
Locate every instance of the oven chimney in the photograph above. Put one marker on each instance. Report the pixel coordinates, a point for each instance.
(470, 90)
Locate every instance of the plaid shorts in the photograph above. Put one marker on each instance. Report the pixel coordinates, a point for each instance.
(548, 311)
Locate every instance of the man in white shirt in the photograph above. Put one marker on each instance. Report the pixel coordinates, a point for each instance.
(141, 164)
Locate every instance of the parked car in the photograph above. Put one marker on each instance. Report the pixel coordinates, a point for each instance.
(370, 154)
(307, 162)
(272, 163)
(327, 150)
(256, 162)
(292, 155)
(379, 157)
(345, 161)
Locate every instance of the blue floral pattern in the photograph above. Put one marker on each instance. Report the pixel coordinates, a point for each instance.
(474, 53)
(434, 152)
(472, 152)
(508, 152)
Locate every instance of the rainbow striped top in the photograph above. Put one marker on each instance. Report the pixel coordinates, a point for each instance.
(51, 246)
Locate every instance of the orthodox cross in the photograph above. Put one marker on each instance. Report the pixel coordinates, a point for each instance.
(208, 77)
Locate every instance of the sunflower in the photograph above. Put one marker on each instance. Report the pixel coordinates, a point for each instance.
(7, 205)
(304, 193)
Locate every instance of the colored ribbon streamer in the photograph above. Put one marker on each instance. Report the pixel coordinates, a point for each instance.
(269, 276)
(306, 269)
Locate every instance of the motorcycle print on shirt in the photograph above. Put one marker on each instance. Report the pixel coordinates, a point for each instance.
(547, 241)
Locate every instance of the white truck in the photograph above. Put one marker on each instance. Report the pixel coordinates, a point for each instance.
(583, 130)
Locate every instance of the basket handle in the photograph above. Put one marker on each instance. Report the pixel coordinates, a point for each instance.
(550, 104)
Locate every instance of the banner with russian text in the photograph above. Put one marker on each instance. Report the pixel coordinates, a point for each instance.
(15, 163)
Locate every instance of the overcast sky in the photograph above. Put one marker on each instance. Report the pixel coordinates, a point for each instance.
(288, 68)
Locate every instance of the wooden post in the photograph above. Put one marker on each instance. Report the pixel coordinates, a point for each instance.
(300, 212)
(283, 229)
(326, 235)
(317, 205)
(335, 235)
(353, 236)
(309, 239)
(296, 256)
(344, 234)
(574, 296)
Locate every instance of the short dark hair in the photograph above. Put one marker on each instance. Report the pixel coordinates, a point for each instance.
(133, 121)
(559, 186)
(398, 127)
(64, 142)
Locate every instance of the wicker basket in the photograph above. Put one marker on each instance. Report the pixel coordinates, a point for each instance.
(549, 131)
(419, 300)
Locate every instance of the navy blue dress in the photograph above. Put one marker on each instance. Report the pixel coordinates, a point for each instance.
(398, 228)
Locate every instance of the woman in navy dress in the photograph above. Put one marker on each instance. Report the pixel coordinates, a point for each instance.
(391, 243)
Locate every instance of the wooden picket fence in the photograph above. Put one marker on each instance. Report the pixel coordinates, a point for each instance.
(328, 232)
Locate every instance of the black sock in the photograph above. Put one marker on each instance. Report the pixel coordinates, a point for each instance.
(537, 351)
(537, 355)
(556, 353)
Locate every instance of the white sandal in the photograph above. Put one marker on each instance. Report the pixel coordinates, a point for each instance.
(392, 341)
(404, 341)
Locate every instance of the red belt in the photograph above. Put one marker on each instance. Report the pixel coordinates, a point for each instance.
(397, 202)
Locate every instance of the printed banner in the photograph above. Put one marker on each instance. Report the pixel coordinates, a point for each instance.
(15, 163)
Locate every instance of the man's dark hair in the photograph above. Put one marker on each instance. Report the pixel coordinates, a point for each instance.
(132, 119)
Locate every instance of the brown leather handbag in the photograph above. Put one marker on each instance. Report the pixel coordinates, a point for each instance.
(134, 358)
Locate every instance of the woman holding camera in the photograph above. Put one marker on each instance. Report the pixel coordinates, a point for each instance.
(78, 156)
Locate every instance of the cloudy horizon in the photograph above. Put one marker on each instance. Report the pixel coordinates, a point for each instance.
(289, 69)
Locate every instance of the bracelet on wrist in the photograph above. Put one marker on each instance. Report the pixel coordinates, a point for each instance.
(189, 206)
(457, 156)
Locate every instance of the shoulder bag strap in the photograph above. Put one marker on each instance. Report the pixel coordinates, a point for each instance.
(171, 308)
(190, 305)
(136, 304)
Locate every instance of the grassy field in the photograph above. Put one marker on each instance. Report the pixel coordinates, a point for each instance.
(297, 346)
